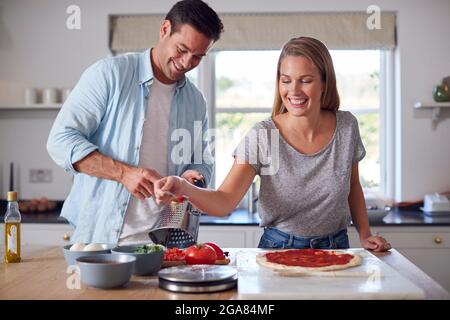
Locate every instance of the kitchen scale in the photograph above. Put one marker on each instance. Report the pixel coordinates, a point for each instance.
(200, 278)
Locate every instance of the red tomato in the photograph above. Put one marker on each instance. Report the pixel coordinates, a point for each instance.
(200, 254)
(219, 252)
(179, 199)
(174, 254)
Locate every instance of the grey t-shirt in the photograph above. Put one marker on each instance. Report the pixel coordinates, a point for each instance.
(303, 195)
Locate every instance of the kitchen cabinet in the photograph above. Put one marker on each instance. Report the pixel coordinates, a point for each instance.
(43, 234)
(426, 247)
(226, 236)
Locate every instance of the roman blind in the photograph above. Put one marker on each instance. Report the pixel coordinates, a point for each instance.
(268, 31)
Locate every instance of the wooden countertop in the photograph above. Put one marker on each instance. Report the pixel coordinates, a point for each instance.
(42, 275)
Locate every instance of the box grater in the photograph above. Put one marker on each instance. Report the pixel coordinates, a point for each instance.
(178, 224)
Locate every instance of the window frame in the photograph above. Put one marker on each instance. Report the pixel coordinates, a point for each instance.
(386, 111)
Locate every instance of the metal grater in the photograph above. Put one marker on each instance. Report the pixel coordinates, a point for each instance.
(177, 225)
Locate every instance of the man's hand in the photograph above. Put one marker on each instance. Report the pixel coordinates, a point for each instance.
(166, 189)
(192, 176)
(139, 181)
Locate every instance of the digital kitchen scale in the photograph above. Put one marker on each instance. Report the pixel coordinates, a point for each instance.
(198, 278)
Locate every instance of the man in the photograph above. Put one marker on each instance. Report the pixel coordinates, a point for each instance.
(115, 131)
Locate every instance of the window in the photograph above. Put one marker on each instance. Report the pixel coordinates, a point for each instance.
(244, 95)
(244, 90)
(193, 76)
(358, 81)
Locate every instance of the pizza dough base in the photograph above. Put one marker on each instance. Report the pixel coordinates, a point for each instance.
(261, 259)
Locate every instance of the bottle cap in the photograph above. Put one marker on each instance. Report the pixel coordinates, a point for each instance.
(12, 196)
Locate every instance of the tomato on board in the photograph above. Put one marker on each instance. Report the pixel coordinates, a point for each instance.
(219, 252)
(200, 254)
(174, 254)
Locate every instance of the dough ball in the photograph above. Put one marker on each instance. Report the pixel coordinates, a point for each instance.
(77, 247)
(93, 247)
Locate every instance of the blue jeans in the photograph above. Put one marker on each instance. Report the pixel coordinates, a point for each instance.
(274, 239)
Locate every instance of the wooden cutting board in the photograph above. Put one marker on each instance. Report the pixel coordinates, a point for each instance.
(179, 263)
(382, 282)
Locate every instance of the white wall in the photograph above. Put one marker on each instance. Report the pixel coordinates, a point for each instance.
(37, 50)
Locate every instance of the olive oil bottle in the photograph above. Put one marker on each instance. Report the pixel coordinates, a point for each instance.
(12, 229)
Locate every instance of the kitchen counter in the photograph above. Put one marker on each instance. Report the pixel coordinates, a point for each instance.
(396, 217)
(42, 275)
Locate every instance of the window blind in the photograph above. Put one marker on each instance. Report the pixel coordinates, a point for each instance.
(267, 31)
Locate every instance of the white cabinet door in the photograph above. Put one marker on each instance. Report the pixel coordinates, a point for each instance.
(256, 236)
(38, 235)
(353, 238)
(426, 247)
(434, 262)
(224, 236)
(46, 234)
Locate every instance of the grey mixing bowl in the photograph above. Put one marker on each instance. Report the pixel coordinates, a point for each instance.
(106, 271)
(71, 256)
(146, 263)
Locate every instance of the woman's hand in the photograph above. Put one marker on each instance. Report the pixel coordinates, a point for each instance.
(376, 243)
(167, 188)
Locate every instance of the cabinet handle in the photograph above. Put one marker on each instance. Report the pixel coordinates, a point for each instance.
(66, 237)
(438, 240)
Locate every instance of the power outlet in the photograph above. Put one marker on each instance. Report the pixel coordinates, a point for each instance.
(40, 175)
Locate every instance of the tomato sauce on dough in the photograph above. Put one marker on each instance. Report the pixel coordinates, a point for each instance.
(308, 258)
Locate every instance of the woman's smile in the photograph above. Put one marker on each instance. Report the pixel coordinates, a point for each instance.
(297, 102)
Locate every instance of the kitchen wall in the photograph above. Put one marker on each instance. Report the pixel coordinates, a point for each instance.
(37, 50)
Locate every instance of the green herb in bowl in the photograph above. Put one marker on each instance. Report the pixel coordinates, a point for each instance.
(149, 248)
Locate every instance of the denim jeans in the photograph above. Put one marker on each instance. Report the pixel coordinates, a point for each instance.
(274, 238)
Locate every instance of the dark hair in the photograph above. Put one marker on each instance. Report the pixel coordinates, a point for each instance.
(197, 14)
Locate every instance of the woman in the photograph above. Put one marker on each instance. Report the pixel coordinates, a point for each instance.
(307, 156)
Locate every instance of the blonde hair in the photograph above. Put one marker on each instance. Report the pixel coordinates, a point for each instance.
(318, 54)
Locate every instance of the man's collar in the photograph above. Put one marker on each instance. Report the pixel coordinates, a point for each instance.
(146, 71)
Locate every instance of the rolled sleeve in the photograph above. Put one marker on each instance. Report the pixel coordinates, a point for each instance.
(79, 118)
